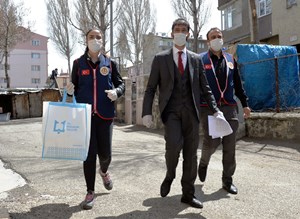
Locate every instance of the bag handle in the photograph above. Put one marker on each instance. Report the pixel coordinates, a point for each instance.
(65, 97)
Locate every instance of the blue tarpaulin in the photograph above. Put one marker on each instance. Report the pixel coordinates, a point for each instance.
(257, 67)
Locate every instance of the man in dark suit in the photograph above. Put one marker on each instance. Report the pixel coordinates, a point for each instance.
(180, 76)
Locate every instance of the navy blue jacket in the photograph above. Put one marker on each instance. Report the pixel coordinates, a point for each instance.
(232, 84)
(92, 79)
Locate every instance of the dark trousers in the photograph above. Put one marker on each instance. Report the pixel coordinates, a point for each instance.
(182, 132)
(229, 142)
(100, 144)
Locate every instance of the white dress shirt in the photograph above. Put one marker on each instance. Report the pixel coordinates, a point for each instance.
(183, 56)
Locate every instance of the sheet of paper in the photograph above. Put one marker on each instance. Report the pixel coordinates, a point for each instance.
(218, 127)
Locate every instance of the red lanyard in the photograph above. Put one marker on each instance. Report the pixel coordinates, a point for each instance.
(227, 70)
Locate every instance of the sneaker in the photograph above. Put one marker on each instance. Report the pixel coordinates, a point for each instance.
(88, 202)
(107, 182)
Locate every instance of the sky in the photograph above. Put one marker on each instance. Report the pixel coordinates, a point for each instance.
(165, 17)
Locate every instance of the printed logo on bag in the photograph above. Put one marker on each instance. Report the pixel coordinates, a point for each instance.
(85, 72)
(64, 126)
(207, 67)
(104, 70)
(59, 126)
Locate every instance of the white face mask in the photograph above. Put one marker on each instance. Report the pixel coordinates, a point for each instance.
(179, 39)
(94, 45)
(216, 44)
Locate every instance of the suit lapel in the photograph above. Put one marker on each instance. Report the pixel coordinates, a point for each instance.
(190, 59)
(170, 63)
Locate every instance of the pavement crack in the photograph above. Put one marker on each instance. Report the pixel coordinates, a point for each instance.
(265, 145)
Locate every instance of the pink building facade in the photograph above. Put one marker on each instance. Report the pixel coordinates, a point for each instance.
(28, 64)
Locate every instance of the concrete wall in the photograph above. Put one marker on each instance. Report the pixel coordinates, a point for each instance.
(281, 25)
(284, 126)
(242, 33)
(285, 22)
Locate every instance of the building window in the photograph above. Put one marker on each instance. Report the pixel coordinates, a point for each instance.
(35, 42)
(232, 16)
(35, 80)
(290, 3)
(264, 7)
(35, 68)
(3, 80)
(35, 55)
(201, 45)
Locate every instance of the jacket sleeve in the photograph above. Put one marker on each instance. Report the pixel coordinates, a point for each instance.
(238, 86)
(205, 90)
(151, 87)
(117, 79)
(74, 75)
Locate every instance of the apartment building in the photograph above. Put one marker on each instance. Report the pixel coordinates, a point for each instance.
(155, 43)
(277, 21)
(28, 64)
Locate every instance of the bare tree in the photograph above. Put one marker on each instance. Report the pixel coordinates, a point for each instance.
(92, 14)
(136, 19)
(123, 49)
(61, 32)
(11, 31)
(197, 12)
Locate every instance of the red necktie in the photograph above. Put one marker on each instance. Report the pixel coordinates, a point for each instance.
(180, 64)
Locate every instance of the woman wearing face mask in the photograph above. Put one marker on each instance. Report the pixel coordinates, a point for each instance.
(225, 82)
(180, 77)
(97, 81)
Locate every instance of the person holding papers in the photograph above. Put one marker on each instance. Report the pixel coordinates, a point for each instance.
(179, 76)
(225, 82)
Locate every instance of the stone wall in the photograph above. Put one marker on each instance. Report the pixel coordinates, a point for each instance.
(284, 126)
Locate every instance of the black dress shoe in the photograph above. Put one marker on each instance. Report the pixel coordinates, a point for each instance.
(202, 170)
(165, 187)
(230, 188)
(195, 203)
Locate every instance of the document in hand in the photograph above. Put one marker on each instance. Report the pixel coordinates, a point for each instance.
(218, 127)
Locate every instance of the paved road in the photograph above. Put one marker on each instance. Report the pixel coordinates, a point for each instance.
(267, 175)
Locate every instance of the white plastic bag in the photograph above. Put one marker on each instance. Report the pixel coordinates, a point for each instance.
(66, 130)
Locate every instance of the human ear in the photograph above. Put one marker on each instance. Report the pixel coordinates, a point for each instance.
(188, 35)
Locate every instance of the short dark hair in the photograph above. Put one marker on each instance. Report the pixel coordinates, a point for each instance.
(211, 29)
(181, 21)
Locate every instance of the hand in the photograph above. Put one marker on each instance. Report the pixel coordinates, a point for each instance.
(70, 88)
(112, 94)
(247, 112)
(219, 115)
(147, 121)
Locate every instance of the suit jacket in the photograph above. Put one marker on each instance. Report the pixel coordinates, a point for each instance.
(162, 75)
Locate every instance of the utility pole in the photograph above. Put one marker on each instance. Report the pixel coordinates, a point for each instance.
(254, 22)
(111, 30)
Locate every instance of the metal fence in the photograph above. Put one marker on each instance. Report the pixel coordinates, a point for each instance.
(272, 84)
